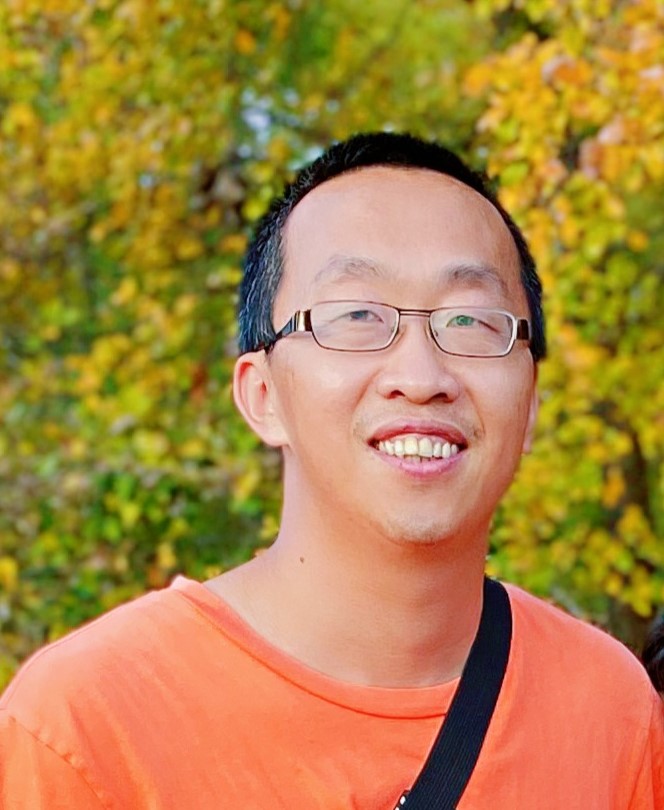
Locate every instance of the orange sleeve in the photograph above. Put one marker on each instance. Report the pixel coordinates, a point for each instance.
(649, 787)
(34, 777)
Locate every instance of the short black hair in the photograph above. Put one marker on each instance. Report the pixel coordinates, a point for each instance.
(653, 654)
(263, 265)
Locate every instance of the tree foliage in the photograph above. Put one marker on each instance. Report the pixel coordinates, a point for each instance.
(573, 130)
(139, 141)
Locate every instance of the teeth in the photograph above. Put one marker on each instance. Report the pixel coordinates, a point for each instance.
(411, 446)
(418, 448)
(426, 447)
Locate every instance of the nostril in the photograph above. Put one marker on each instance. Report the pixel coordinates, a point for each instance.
(418, 372)
(422, 392)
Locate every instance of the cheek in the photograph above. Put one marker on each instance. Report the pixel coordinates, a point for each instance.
(317, 372)
(315, 393)
(503, 402)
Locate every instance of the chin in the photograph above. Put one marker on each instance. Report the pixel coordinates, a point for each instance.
(424, 533)
(433, 532)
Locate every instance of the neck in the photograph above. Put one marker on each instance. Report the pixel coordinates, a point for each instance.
(364, 609)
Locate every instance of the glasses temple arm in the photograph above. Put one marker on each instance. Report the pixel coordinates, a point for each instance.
(522, 329)
(300, 322)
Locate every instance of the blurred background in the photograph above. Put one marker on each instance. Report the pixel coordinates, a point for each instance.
(139, 142)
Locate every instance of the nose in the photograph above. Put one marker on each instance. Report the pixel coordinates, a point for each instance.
(414, 368)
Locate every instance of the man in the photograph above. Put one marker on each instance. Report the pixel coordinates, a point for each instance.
(390, 330)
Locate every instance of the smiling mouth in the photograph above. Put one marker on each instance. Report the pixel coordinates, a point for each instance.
(418, 448)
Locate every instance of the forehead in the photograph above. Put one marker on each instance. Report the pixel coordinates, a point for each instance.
(411, 229)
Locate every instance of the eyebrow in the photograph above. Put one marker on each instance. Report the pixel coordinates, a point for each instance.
(474, 275)
(471, 275)
(340, 268)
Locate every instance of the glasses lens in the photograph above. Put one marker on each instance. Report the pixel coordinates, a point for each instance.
(353, 326)
(473, 332)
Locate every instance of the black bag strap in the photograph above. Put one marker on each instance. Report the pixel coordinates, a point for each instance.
(452, 758)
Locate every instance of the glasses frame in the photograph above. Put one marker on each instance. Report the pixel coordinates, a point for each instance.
(300, 321)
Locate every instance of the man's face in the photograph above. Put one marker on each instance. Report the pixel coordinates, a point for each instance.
(420, 240)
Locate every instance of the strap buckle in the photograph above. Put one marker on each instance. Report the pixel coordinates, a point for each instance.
(402, 801)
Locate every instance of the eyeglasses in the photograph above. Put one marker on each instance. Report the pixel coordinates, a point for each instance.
(364, 326)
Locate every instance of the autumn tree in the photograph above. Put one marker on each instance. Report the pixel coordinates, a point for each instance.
(140, 140)
(573, 133)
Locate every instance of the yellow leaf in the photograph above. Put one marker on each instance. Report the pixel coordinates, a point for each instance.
(637, 240)
(19, 116)
(129, 514)
(150, 445)
(253, 208)
(614, 488)
(166, 556)
(193, 448)
(233, 243)
(245, 42)
(245, 485)
(8, 573)
(10, 269)
(614, 584)
(125, 292)
(188, 248)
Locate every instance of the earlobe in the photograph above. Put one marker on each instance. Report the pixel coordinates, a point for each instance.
(254, 397)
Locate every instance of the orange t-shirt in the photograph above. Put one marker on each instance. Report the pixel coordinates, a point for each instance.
(172, 701)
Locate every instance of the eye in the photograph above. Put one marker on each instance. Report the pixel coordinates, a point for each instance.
(363, 316)
(462, 320)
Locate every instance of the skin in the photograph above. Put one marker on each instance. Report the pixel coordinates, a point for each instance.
(370, 547)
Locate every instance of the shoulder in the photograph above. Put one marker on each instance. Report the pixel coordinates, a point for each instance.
(575, 660)
(99, 660)
(567, 637)
(109, 691)
(574, 685)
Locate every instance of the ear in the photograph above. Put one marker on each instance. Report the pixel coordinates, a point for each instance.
(253, 391)
(533, 409)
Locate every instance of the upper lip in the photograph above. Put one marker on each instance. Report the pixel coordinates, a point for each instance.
(443, 430)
